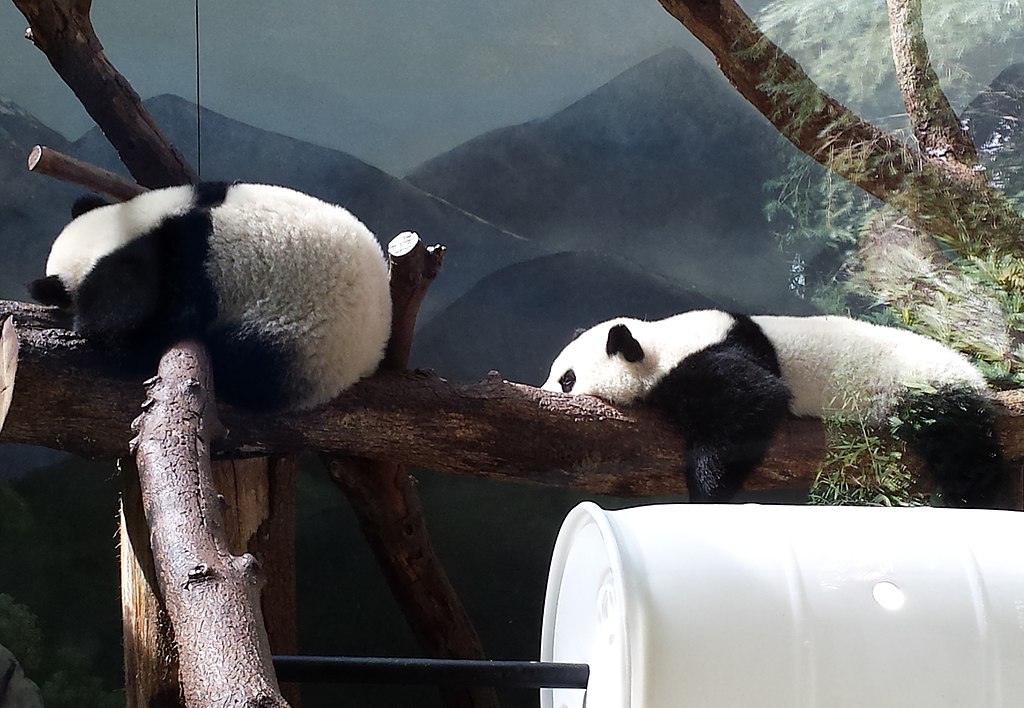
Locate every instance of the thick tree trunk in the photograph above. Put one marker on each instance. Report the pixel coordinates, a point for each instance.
(211, 595)
(150, 660)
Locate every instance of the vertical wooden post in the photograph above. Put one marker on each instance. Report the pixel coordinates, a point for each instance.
(150, 662)
(259, 518)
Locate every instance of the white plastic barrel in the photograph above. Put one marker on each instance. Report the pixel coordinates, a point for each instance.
(749, 606)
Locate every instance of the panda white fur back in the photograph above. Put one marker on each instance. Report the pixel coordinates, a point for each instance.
(727, 381)
(290, 292)
(312, 272)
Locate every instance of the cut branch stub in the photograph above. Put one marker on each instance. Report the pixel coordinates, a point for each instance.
(8, 367)
(413, 268)
(56, 164)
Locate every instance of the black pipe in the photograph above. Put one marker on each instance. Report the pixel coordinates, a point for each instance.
(500, 674)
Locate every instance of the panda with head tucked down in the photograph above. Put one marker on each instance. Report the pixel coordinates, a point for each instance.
(727, 381)
(289, 293)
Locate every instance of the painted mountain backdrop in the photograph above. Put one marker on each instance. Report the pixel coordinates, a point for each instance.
(664, 165)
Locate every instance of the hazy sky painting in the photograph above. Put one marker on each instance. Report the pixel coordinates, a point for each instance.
(392, 82)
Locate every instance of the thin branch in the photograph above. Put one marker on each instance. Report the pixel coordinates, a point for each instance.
(388, 505)
(938, 130)
(56, 164)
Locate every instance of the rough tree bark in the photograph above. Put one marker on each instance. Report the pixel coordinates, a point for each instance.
(937, 129)
(212, 596)
(388, 506)
(414, 419)
(951, 204)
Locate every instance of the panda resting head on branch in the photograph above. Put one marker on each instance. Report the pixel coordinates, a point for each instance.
(289, 293)
(727, 382)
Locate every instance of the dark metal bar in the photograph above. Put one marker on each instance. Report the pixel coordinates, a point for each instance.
(500, 674)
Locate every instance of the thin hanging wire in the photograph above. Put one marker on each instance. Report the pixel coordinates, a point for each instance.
(199, 132)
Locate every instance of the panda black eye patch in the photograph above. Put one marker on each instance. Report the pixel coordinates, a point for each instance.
(567, 381)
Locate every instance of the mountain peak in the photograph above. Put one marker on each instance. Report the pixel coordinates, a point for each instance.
(12, 109)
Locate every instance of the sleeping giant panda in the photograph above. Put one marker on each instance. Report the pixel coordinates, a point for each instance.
(289, 293)
(727, 381)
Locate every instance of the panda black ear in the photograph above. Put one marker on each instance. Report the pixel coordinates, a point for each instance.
(87, 203)
(621, 341)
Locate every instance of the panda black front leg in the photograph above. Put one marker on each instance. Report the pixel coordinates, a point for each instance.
(727, 405)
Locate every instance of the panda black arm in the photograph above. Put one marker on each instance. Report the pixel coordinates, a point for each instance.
(120, 293)
(50, 291)
(153, 290)
(727, 405)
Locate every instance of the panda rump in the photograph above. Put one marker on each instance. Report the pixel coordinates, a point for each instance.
(289, 293)
(727, 381)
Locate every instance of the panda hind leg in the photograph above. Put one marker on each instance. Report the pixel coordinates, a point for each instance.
(727, 406)
(253, 371)
(954, 432)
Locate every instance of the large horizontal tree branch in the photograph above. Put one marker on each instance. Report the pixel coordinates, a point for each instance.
(945, 199)
(492, 429)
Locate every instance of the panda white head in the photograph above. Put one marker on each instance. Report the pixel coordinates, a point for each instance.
(97, 230)
(606, 361)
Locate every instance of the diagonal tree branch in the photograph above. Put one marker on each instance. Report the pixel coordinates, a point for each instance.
(63, 30)
(938, 131)
(212, 596)
(952, 205)
(388, 506)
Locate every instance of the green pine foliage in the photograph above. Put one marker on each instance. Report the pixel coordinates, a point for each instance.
(845, 45)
